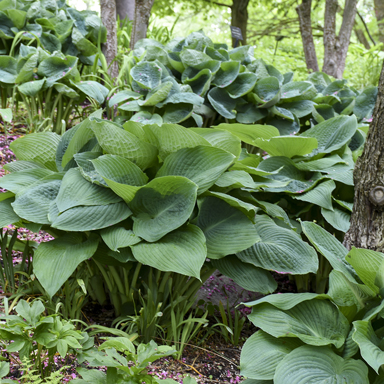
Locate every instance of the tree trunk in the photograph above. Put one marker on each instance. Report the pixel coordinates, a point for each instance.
(108, 17)
(379, 11)
(239, 18)
(141, 20)
(367, 220)
(361, 36)
(336, 47)
(125, 8)
(304, 12)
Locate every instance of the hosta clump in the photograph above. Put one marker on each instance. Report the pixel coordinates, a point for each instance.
(337, 337)
(169, 196)
(48, 84)
(51, 24)
(195, 81)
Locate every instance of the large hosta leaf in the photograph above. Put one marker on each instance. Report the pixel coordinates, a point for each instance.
(8, 70)
(37, 147)
(320, 195)
(146, 74)
(182, 251)
(332, 134)
(266, 92)
(119, 237)
(75, 191)
(308, 364)
(288, 146)
(7, 214)
(90, 218)
(93, 89)
(55, 261)
(329, 247)
(162, 206)
(227, 73)
(262, 353)
(337, 218)
(219, 222)
(298, 90)
(222, 103)
(315, 322)
(243, 84)
(279, 249)
(246, 275)
(116, 141)
(203, 165)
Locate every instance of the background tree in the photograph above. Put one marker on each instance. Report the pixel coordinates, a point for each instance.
(125, 8)
(141, 20)
(367, 220)
(379, 11)
(108, 17)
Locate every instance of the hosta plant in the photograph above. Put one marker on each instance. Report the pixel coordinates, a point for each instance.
(50, 24)
(195, 81)
(49, 85)
(333, 337)
(169, 197)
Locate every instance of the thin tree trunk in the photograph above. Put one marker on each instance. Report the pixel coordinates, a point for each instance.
(367, 220)
(336, 47)
(239, 18)
(361, 36)
(141, 20)
(379, 11)
(304, 12)
(125, 8)
(108, 17)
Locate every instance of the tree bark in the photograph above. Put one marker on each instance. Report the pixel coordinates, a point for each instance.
(125, 8)
(141, 20)
(304, 12)
(379, 11)
(108, 17)
(336, 47)
(361, 36)
(367, 220)
(239, 18)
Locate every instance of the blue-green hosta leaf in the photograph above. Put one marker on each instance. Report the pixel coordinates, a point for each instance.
(227, 74)
(249, 114)
(235, 179)
(266, 92)
(366, 264)
(282, 113)
(8, 70)
(346, 293)
(337, 218)
(16, 182)
(321, 195)
(323, 112)
(122, 176)
(33, 203)
(344, 204)
(50, 42)
(119, 237)
(244, 54)
(203, 165)
(7, 214)
(176, 113)
(365, 103)
(92, 89)
(332, 134)
(182, 97)
(54, 68)
(37, 147)
(300, 108)
(222, 103)
(75, 191)
(199, 83)
(156, 95)
(243, 84)
(87, 169)
(369, 344)
(145, 117)
(288, 146)
(66, 91)
(262, 353)
(31, 88)
(319, 164)
(315, 322)
(199, 60)
(220, 139)
(182, 251)
(172, 137)
(21, 165)
(329, 247)
(117, 141)
(91, 218)
(320, 80)
(123, 96)
(26, 68)
(55, 261)
(323, 366)
(85, 47)
(175, 61)
(298, 90)
(146, 74)
(246, 275)
(279, 249)
(219, 221)
(161, 206)
(249, 133)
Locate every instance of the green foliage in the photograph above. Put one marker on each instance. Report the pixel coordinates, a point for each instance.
(322, 336)
(197, 82)
(39, 337)
(52, 25)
